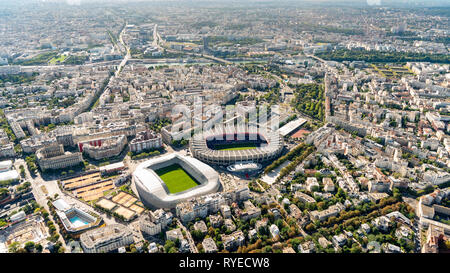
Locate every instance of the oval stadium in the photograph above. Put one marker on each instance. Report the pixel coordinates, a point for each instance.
(216, 147)
(165, 181)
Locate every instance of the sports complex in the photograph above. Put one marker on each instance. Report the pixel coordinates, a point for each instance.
(235, 145)
(168, 180)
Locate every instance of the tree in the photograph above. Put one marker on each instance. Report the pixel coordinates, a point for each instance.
(295, 243)
(341, 194)
(39, 248)
(29, 246)
(197, 235)
(396, 193)
(14, 247)
(355, 248)
(168, 245)
(310, 227)
(321, 205)
(4, 192)
(172, 250)
(21, 250)
(267, 249)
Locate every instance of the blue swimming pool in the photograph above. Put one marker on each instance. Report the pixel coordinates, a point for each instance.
(78, 222)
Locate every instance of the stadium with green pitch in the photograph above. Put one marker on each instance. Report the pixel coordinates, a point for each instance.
(176, 178)
(229, 146)
(165, 181)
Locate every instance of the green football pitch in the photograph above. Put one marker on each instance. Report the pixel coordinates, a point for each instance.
(176, 178)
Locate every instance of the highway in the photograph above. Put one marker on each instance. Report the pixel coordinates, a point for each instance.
(127, 56)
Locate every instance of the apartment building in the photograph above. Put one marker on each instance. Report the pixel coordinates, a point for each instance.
(53, 157)
(106, 239)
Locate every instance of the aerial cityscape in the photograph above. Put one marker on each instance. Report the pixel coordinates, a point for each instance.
(256, 126)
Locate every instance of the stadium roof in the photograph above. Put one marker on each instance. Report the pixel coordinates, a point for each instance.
(153, 191)
(18, 216)
(5, 165)
(199, 148)
(291, 126)
(61, 205)
(9, 175)
(114, 166)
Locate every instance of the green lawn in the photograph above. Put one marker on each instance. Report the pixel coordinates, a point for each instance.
(58, 59)
(176, 178)
(235, 146)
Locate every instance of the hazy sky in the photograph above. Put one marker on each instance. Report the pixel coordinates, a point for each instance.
(368, 1)
(408, 3)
